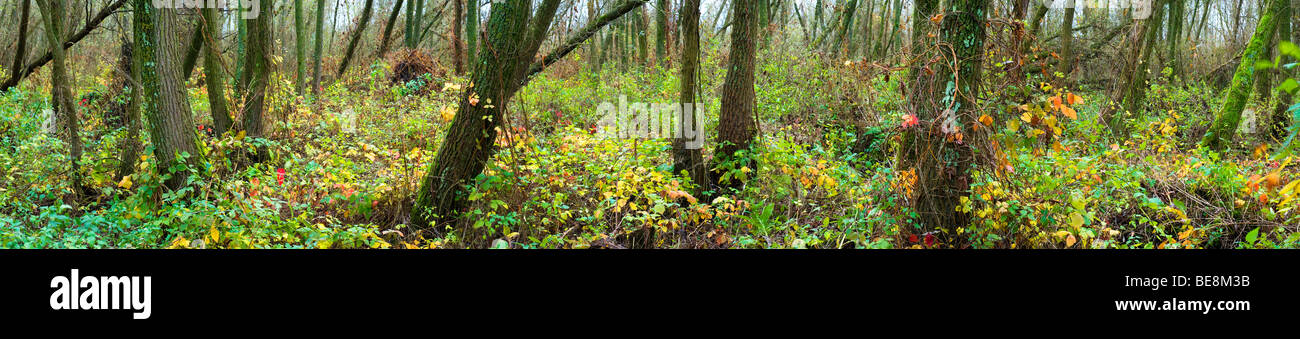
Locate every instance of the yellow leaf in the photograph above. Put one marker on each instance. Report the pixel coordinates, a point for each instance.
(1027, 117)
(1070, 240)
(125, 183)
(1076, 220)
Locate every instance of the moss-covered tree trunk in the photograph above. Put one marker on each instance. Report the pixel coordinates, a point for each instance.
(131, 145)
(846, 22)
(661, 29)
(1035, 25)
(1286, 30)
(471, 34)
(356, 36)
(69, 126)
(1135, 90)
(942, 159)
(300, 48)
(684, 158)
(258, 76)
(457, 47)
(736, 122)
(192, 50)
(213, 71)
(513, 38)
(171, 123)
(319, 46)
(1234, 100)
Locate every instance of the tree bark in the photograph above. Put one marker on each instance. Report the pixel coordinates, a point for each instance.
(736, 122)
(471, 34)
(300, 48)
(1173, 55)
(1225, 125)
(316, 53)
(1067, 41)
(69, 126)
(171, 125)
(356, 37)
(457, 49)
(257, 77)
(21, 52)
(689, 159)
(213, 74)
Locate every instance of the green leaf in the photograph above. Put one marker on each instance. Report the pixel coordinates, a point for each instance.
(1289, 48)
(500, 244)
(1263, 65)
(1252, 236)
(1289, 86)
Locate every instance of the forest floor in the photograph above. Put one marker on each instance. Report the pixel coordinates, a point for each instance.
(345, 166)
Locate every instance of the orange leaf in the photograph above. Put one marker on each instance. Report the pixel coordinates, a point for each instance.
(1056, 103)
(1069, 112)
(1072, 99)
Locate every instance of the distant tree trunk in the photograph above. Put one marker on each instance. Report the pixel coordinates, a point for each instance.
(1225, 125)
(356, 37)
(690, 159)
(1137, 86)
(171, 125)
(922, 49)
(241, 45)
(1035, 24)
(21, 52)
(895, 37)
(593, 48)
(1175, 36)
(642, 37)
(847, 21)
(942, 161)
(471, 34)
(258, 76)
(408, 39)
(1286, 30)
(736, 122)
(300, 48)
(213, 75)
(192, 50)
(1067, 41)
(131, 145)
(316, 53)
(419, 20)
(457, 49)
(61, 91)
(513, 39)
(90, 26)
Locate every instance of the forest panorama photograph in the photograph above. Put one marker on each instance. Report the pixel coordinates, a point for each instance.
(649, 124)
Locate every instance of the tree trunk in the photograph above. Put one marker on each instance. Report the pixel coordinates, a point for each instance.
(316, 52)
(847, 21)
(1175, 35)
(258, 75)
(1138, 85)
(67, 43)
(69, 126)
(1286, 31)
(1035, 25)
(593, 48)
(300, 48)
(1225, 125)
(661, 29)
(736, 122)
(171, 125)
(131, 144)
(192, 50)
(689, 159)
(457, 49)
(21, 52)
(356, 37)
(1067, 41)
(942, 161)
(471, 34)
(471, 140)
(213, 75)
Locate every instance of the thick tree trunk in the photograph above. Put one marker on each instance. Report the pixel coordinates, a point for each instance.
(736, 122)
(258, 76)
(171, 125)
(1225, 125)
(471, 34)
(1173, 55)
(689, 159)
(356, 37)
(69, 126)
(942, 160)
(213, 74)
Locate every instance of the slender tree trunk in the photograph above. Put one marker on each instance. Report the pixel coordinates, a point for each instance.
(171, 125)
(1285, 31)
(356, 37)
(593, 48)
(1067, 41)
(213, 75)
(316, 50)
(471, 34)
(1175, 36)
(21, 52)
(1035, 24)
(457, 48)
(69, 126)
(1225, 125)
(685, 158)
(131, 145)
(661, 29)
(192, 50)
(847, 21)
(513, 39)
(67, 43)
(1138, 84)
(300, 48)
(736, 122)
(258, 76)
